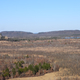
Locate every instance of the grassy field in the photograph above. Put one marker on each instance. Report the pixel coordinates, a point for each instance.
(64, 52)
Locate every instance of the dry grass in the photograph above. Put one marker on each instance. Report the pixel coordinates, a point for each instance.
(65, 52)
(52, 76)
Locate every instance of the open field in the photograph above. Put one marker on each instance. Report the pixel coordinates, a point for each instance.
(51, 76)
(64, 52)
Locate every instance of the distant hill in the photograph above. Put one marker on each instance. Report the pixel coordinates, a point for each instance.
(21, 34)
(61, 33)
(16, 34)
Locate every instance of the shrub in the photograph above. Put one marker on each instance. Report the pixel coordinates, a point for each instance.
(40, 65)
(19, 64)
(20, 70)
(36, 69)
(22, 62)
(7, 70)
(46, 66)
(17, 67)
(6, 73)
(14, 71)
(25, 69)
(26, 56)
(57, 68)
(30, 67)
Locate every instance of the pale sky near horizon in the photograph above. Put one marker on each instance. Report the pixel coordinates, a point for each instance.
(39, 15)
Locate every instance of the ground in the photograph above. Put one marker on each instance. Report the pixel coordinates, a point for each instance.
(64, 52)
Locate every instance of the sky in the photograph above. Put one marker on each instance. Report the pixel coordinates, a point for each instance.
(39, 15)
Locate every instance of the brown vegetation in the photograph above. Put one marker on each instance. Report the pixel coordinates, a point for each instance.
(64, 53)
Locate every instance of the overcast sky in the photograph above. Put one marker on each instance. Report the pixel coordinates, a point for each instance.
(39, 15)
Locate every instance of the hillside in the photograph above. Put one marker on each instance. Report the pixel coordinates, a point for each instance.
(64, 52)
(21, 34)
(61, 33)
(16, 34)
